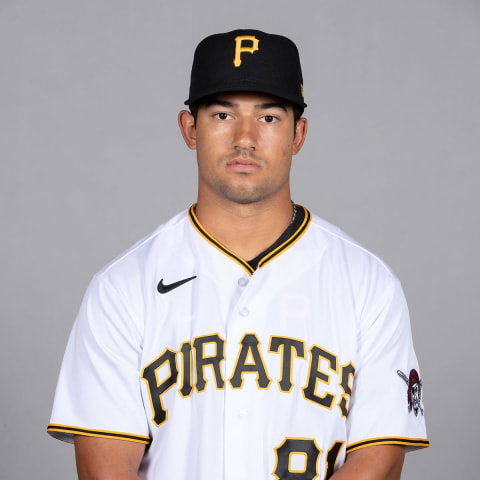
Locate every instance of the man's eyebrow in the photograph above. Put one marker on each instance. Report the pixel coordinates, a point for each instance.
(221, 103)
(266, 106)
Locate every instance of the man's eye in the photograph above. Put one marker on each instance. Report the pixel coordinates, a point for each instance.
(222, 115)
(269, 119)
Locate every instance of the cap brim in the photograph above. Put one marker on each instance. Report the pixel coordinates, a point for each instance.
(247, 88)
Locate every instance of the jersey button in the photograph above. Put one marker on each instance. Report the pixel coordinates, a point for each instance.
(244, 312)
(242, 281)
(242, 414)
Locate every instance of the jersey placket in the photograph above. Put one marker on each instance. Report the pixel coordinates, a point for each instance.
(240, 407)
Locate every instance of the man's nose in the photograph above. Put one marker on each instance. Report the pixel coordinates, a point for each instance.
(245, 134)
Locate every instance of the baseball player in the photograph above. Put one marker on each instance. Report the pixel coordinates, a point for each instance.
(245, 338)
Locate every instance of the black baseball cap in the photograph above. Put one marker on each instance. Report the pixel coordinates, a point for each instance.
(247, 61)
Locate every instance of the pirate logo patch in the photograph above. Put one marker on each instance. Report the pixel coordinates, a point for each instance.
(414, 393)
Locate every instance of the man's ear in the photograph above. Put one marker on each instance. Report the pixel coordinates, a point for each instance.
(300, 134)
(186, 123)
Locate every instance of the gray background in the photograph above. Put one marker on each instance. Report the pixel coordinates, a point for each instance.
(92, 160)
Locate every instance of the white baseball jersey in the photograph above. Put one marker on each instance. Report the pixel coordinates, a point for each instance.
(232, 371)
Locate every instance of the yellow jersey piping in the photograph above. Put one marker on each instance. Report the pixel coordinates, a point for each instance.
(268, 257)
(288, 243)
(198, 226)
(412, 442)
(98, 433)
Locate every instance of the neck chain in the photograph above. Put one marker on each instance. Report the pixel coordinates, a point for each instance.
(294, 212)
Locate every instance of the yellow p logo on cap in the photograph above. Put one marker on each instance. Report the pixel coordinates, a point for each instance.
(239, 49)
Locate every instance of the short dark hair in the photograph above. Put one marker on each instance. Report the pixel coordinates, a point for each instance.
(297, 111)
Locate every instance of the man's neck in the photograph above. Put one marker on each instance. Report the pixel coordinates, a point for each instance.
(245, 229)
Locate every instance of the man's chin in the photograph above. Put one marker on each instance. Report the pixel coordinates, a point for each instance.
(243, 196)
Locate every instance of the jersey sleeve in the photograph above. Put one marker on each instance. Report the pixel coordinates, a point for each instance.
(386, 404)
(98, 392)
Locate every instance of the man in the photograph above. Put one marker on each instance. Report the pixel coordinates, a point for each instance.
(245, 337)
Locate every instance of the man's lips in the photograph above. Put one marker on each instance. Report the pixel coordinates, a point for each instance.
(243, 165)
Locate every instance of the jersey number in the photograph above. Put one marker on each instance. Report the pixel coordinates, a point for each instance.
(307, 453)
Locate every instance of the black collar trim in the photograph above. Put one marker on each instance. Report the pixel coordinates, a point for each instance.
(290, 236)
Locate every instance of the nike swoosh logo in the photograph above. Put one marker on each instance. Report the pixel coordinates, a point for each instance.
(162, 288)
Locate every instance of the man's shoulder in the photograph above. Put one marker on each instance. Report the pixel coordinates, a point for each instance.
(162, 239)
(332, 239)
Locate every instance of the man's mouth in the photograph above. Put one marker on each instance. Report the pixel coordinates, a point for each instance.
(243, 165)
